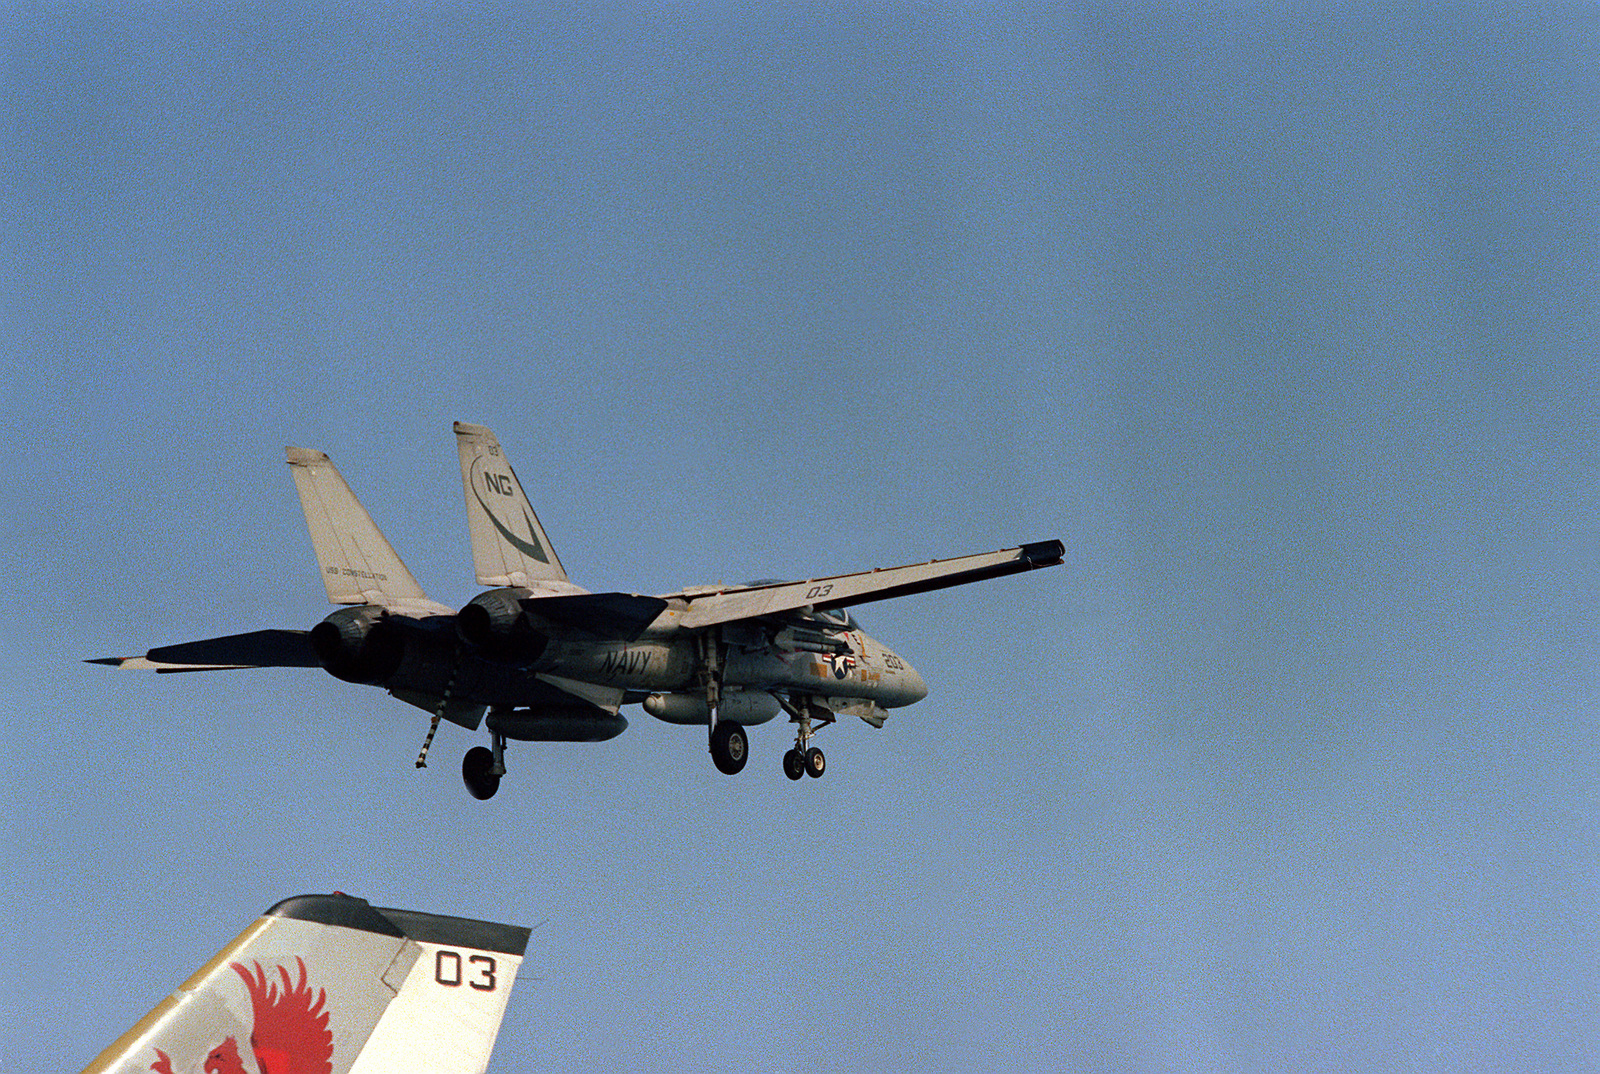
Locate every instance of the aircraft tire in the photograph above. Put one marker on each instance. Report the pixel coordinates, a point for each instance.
(794, 764)
(477, 774)
(729, 748)
(815, 762)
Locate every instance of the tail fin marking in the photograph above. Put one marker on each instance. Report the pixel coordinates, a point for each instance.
(328, 983)
(509, 546)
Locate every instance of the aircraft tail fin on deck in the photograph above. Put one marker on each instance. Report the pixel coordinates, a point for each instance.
(330, 983)
(359, 566)
(509, 546)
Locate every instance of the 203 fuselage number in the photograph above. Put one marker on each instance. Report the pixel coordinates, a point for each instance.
(478, 972)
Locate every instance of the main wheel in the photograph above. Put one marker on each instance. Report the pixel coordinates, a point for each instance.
(729, 748)
(477, 772)
(816, 763)
(794, 764)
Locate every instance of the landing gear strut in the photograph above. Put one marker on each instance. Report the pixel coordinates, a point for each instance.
(729, 746)
(482, 767)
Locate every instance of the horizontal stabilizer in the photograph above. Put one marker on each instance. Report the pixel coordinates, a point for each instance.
(257, 649)
(844, 590)
(331, 983)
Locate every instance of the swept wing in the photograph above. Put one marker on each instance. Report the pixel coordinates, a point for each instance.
(843, 590)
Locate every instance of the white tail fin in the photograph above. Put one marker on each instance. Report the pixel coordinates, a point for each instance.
(358, 564)
(329, 983)
(509, 547)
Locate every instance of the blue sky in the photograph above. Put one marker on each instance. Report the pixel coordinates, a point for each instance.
(1283, 322)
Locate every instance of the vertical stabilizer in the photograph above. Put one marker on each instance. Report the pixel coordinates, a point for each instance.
(358, 564)
(509, 547)
(329, 983)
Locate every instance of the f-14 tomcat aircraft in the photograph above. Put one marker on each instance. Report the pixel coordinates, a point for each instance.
(549, 661)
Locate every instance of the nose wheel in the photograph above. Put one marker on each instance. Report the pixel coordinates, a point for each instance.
(811, 762)
(804, 759)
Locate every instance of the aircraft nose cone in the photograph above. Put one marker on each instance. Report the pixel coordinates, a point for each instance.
(909, 687)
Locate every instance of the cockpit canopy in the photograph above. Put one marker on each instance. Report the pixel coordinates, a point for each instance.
(836, 617)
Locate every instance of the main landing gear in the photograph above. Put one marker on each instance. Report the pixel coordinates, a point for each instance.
(730, 748)
(482, 767)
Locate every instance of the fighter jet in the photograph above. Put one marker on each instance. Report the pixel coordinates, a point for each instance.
(330, 983)
(550, 661)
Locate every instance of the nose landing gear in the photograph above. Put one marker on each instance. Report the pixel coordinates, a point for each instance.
(805, 759)
(810, 762)
(816, 763)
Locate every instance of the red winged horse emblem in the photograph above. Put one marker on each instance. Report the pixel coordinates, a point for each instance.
(291, 1033)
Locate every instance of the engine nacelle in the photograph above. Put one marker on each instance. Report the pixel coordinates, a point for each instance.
(490, 618)
(496, 623)
(741, 706)
(558, 723)
(358, 645)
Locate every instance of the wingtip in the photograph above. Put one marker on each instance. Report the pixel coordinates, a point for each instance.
(299, 456)
(1044, 553)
